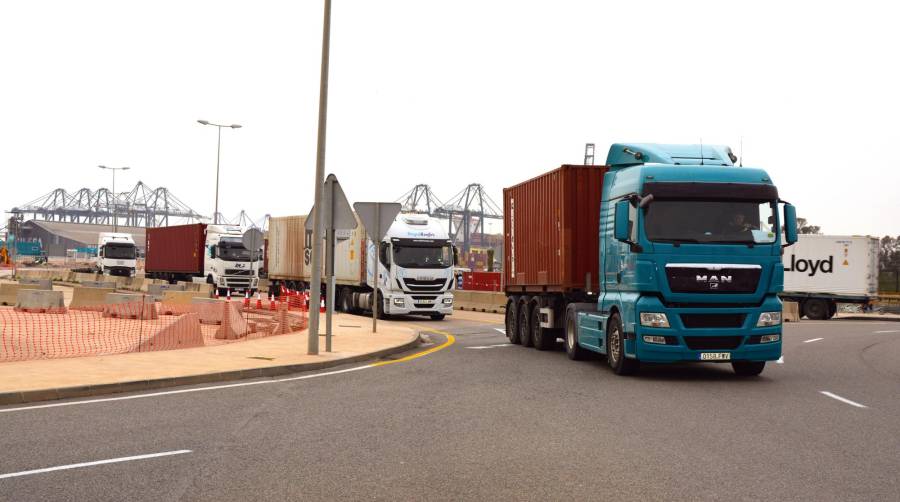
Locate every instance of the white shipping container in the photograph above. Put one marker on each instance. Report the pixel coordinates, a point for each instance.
(832, 265)
(289, 255)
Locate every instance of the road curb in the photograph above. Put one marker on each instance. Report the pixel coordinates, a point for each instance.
(867, 318)
(32, 396)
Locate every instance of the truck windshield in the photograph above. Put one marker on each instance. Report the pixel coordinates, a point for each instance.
(707, 221)
(423, 256)
(119, 251)
(234, 250)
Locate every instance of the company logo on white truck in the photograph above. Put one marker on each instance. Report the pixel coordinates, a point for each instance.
(811, 266)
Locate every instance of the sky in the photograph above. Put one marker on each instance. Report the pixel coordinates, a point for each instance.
(446, 93)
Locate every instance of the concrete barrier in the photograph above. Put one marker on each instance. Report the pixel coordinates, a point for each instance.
(129, 306)
(210, 309)
(83, 296)
(99, 284)
(40, 300)
(181, 334)
(9, 293)
(84, 277)
(479, 301)
(45, 284)
(181, 297)
(790, 312)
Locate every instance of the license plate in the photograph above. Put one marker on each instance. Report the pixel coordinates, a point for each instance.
(715, 356)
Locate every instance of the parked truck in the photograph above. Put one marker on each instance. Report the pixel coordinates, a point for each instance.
(414, 275)
(667, 253)
(116, 254)
(821, 271)
(213, 253)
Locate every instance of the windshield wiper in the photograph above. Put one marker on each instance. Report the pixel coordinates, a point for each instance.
(677, 242)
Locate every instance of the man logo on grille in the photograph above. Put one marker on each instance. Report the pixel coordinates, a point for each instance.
(713, 281)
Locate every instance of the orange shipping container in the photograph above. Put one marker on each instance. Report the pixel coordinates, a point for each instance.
(551, 231)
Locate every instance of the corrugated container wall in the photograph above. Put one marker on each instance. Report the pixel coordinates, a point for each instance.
(287, 237)
(551, 231)
(178, 249)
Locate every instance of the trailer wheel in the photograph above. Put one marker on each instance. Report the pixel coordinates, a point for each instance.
(523, 325)
(573, 350)
(748, 368)
(512, 329)
(815, 309)
(346, 300)
(832, 309)
(615, 348)
(541, 338)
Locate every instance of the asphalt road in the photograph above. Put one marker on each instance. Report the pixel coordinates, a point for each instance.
(481, 420)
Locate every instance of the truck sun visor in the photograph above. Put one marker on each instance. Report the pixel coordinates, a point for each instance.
(691, 190)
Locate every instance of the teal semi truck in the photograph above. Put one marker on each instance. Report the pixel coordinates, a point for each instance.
(668, 253)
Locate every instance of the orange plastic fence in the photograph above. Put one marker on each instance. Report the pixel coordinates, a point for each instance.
(141, 327)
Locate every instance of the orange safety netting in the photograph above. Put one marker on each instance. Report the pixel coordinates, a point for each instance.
(141, 327)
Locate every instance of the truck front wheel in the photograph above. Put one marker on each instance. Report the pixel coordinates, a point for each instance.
(748, 368)
(573, 350)
(615, 348)
(512, 331)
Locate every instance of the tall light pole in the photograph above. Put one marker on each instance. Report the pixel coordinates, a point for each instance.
(316, 285)
(218, 155)
(115, 198)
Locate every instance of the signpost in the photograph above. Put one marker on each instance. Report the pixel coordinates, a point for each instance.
(377, 217)
(337, 216)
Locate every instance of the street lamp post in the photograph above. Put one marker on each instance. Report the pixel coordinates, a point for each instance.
(115, 198)
(218, 155)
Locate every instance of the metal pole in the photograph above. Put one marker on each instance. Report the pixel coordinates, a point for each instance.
(329, 267)
(377, 267)
(316, 285)
(218, 155)
(115, 214)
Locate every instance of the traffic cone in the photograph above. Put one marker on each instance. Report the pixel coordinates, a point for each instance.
(272, 302)
(229, 294)
(258, 301)
(322, 306)
(217, 293)
(246, 299)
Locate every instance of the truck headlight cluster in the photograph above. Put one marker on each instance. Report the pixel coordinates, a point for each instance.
(768, 319)
(448, 301)
(769, 338)
(398, 302)
(654, 320)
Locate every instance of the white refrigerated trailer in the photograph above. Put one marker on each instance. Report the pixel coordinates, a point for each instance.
(821, 271)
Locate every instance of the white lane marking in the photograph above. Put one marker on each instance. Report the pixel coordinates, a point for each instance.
(183, 391)
(502, 330)
(812, 340)
(842, 399)
(96, 462)
(889, 331)
(477, 347)
(780, 360)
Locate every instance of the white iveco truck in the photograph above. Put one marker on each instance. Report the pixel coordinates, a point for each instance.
(414, 276)
(116, 254)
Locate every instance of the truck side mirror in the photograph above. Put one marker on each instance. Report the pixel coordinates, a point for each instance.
(621, 230)
(385, 255)
(790, 224)
(212, 251)
(455, 256)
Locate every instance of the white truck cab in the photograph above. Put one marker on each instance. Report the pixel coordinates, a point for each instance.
(228, 264)
(116, 254)
(415, 273)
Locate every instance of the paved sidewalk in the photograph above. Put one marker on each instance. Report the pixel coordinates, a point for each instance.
(26, 381)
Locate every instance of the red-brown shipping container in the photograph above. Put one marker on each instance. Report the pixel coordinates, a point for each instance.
(551, 227)
(178, 249)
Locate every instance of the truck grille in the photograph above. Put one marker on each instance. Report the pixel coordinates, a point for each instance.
(685, 278)
(713, 320)
(238, 271)
(417, 286)
(712, 342)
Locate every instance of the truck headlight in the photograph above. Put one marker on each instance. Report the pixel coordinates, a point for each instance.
(768, 319)
(655, 339)
(654, 320)
(448, 301)
(398, 302)
(769, 338)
